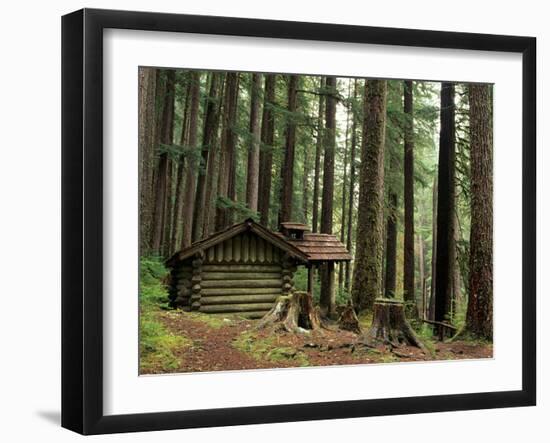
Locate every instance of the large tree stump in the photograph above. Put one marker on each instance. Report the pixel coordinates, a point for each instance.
(390, 327)
(293, 313)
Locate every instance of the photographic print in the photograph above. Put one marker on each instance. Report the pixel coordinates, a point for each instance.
(306, 220)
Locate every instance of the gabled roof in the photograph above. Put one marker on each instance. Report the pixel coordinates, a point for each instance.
(232, 231)
(320, 247)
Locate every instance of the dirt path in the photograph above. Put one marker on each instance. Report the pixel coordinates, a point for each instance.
(212, 348)
(231, 344)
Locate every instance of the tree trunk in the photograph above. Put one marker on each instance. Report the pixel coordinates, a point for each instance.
(341, 267)
(176, 234)
(266, 151)
(479, 317)
(147, 91)
(431, 309)
(421, 274)
(318, 150)
(228, 142)
(351, 193)
(445, 205)
(391, 247)
(367, 275)
(212, 171)
(166, 137)
(191, 164)
(288, 163)
(327, 300)
(408, 263)
(211, 119)
(253, 170)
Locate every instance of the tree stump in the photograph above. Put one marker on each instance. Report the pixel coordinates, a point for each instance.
(293, 313)
(390, 327)
(348, 320)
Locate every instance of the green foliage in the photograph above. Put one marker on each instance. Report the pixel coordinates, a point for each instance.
(242, 212)
(152, 290)
(156, 344)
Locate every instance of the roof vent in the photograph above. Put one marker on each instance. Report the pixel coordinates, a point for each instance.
(293, 231)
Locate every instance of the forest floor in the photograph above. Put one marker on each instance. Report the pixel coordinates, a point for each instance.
(195, 342)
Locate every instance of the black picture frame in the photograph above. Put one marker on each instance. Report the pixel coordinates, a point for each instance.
(82, 218)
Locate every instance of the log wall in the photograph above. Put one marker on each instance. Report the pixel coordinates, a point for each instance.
(244, 275)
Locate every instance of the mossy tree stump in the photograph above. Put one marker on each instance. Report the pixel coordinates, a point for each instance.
(293, 313)
(389, 326)
(348, 320)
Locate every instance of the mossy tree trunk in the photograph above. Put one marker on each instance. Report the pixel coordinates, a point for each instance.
(367, 275)
(408, 262)
(327, 296)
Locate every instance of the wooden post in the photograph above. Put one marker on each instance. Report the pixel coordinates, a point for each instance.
(332, 294)
(310, 279)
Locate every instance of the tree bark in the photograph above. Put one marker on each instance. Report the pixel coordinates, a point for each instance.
(288, 163)
(166, 138)
(408, 263)
(228, 142)
(191, 164)
(253, 170)
(212, 171)
(318, 151)
(266, 151)
(351, 193)
(479, 317)
(431, 308)
(445, 205)
(341, 267)
(367, 275)
(327, 296)
(391, 247)
(147, 92)
(211, 120)
(176, 234)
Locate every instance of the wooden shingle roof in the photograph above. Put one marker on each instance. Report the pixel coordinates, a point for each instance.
(321, 247)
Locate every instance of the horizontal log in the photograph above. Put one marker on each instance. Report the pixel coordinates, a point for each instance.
(240, 291)
(240, 275)
(240, 268)
(233, 299)
(236, 307)
(242, 283)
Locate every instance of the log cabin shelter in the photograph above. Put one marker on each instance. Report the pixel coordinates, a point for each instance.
(246, 267)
